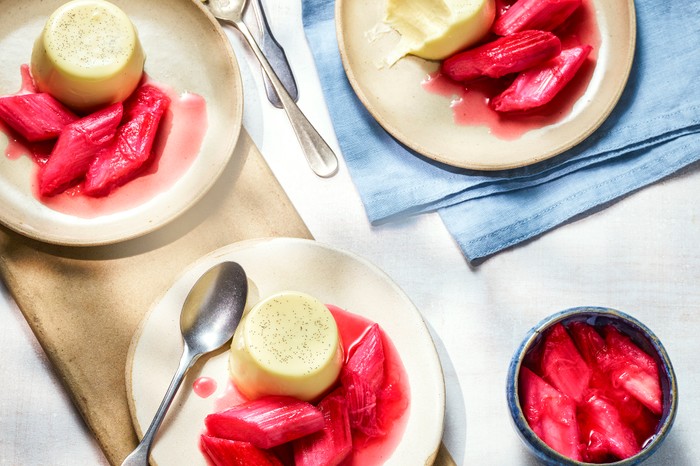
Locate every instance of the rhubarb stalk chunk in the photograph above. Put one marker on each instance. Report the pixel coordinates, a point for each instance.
(505, 55)
(363, 377)
(537, 86)
(133, 143)
(224, 452)
(603, 432)
(634, 370)
(545, 15)
(266, 422)
(562, 366)
(36, 117)
(76, 147)
(550, 414)
(332, 445)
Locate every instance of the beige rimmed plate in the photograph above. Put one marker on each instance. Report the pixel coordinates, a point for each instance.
(424, 122)
(273, 265)
(186, 51)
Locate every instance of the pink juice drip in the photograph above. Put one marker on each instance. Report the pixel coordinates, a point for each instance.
(28, 86)
(204, 387)
(18, 147)
(469, 101)
(230, 398)
(180, 136)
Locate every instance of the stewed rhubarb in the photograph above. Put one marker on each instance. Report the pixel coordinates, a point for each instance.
(133, 142)
(333, 444)
(357, 422)
(36, 117)
(550, 414)
(591, 393)
(362, 379)
(545, 15)
(225, 452)
(505, 55)
(509, 81)
(77, 146)
(537, 86)
(266, 422)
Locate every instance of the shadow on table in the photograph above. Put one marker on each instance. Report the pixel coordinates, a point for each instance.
(219, 200)
(455, 433)
(672, 451)
(685, 172)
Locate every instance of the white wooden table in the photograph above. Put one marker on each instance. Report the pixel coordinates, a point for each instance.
(640, 255)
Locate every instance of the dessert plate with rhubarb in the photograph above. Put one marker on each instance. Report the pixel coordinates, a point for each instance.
(487, 84)
(112, 120)
(331, 364)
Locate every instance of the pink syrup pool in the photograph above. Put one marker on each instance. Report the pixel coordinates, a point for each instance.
(469, 101)
(204, 387)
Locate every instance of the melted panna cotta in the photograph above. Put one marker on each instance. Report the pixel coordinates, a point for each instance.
(436, 29)
(288, 344)
(88, 55)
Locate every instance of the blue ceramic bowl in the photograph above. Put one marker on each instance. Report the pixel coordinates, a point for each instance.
(596, 316)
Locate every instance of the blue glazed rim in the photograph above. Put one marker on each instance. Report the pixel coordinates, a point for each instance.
(631, 327)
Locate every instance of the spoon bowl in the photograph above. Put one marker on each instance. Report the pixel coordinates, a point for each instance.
(213, 307)
(209, 317)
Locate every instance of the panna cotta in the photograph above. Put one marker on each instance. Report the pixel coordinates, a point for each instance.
(88, 55)
(288, 344)
(436, 29)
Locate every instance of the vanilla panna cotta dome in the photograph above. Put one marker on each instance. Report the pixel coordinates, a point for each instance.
(288, 344)
(88, 55)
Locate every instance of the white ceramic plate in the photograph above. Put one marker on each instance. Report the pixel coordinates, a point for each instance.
(273, 265)
(424, 122)
(185, 50)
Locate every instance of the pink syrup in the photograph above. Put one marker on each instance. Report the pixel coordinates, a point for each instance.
(469, 102)
(180, 136)
(204, 387)
(392, 412)
(229, 398)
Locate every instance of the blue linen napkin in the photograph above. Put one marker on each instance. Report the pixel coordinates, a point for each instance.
(651, 133)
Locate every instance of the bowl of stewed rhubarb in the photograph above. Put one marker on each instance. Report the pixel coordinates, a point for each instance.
(592, 385)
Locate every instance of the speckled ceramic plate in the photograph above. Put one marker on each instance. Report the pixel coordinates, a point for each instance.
(186, 51)
(424, 122)
(274, 265)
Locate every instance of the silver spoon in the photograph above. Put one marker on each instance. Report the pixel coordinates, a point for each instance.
(319, 155)
(209, 317)
(276, 56)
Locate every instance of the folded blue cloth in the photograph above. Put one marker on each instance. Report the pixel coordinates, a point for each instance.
(651, 133)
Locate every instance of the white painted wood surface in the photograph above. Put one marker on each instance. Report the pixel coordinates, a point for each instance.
(640, 255)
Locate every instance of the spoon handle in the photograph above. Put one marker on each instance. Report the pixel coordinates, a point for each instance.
(319, 155)
(276, 56)
(139, 457)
